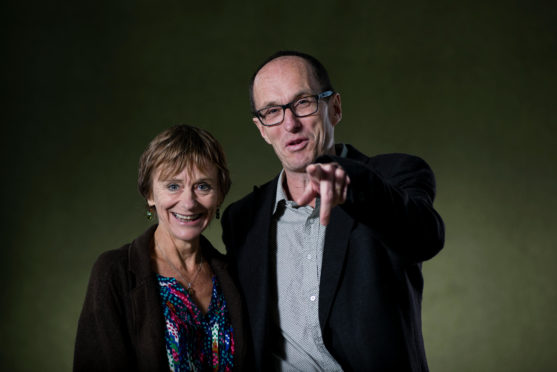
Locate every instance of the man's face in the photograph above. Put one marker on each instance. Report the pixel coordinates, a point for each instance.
(296, 141)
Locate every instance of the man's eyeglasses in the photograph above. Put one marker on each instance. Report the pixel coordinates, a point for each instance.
(304, 106)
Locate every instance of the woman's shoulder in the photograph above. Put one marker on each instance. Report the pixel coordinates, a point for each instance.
(111, 267)
(129, 256)
(113, 258)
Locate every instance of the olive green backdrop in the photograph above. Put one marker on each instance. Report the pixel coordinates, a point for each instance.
(469, 86)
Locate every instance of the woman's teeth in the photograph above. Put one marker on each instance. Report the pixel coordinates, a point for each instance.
(185, 218)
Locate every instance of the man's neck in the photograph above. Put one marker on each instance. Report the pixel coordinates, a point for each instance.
(294, 185)
(294, 182)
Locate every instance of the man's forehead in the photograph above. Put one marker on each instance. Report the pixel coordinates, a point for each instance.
(290, 73)
(284, 65)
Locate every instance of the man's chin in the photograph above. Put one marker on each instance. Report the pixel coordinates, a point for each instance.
(297, 167)
(299, 163)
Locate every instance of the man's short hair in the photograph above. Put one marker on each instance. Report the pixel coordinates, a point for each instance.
(319, 72)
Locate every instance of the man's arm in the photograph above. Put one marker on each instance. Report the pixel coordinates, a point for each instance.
(393, 194)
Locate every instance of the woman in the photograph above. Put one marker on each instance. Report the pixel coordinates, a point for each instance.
(165, 301)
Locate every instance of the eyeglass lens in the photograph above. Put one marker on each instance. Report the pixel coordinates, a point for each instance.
(302, 107)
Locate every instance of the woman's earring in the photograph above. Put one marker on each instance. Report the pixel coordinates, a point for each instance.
(217, 216)
(149, 213)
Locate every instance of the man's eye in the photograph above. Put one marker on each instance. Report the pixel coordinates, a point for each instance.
(304, 101)
(271, 111)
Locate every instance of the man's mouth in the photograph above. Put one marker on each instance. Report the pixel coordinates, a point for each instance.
(296, 144)
(186, 218)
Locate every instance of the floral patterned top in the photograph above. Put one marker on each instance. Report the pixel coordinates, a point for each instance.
(196, 341)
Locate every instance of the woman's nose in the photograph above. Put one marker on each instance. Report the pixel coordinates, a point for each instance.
(189, 199)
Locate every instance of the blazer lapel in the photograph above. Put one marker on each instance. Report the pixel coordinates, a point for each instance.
(334, 254)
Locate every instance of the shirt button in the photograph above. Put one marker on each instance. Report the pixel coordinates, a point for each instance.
(309, 256)
(312, 298)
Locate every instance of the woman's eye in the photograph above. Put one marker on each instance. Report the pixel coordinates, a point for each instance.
(173, 187)
(203, 186)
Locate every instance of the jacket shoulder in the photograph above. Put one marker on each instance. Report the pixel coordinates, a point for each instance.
(387, 160)
(393, 159)
(249, 201)
(405, 169)
(240, 217)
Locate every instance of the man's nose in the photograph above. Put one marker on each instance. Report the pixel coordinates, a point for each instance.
(291, 123)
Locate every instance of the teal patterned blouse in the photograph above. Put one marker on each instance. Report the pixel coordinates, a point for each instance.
(196, 341)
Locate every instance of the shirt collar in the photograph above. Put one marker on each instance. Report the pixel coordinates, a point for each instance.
(280, 195)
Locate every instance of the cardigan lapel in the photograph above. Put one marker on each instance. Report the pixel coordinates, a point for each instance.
(148, 319)
(219, 265)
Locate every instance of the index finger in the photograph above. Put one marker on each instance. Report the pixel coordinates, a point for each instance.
(326, 192)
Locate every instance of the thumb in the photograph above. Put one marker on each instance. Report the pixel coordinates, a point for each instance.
(308, 195)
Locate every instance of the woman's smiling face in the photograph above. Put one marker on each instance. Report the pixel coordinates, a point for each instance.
(185, 202)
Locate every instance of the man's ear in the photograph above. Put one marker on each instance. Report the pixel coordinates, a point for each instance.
(335, 109)
(261, 128)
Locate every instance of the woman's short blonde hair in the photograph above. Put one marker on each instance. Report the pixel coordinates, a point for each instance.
(180, 147)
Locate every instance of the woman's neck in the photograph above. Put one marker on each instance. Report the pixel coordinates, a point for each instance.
(181, 254)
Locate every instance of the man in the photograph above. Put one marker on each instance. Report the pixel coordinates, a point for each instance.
(328, 254)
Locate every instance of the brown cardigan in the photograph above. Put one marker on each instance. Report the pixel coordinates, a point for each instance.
(121, 327)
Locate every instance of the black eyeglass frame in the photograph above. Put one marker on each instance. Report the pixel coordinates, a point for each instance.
(325, 94)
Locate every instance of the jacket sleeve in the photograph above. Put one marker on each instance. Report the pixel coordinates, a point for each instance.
(393, 194)
(103, 342)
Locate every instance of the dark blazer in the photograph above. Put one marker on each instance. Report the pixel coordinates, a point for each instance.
(371, 280)
(122, 326)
